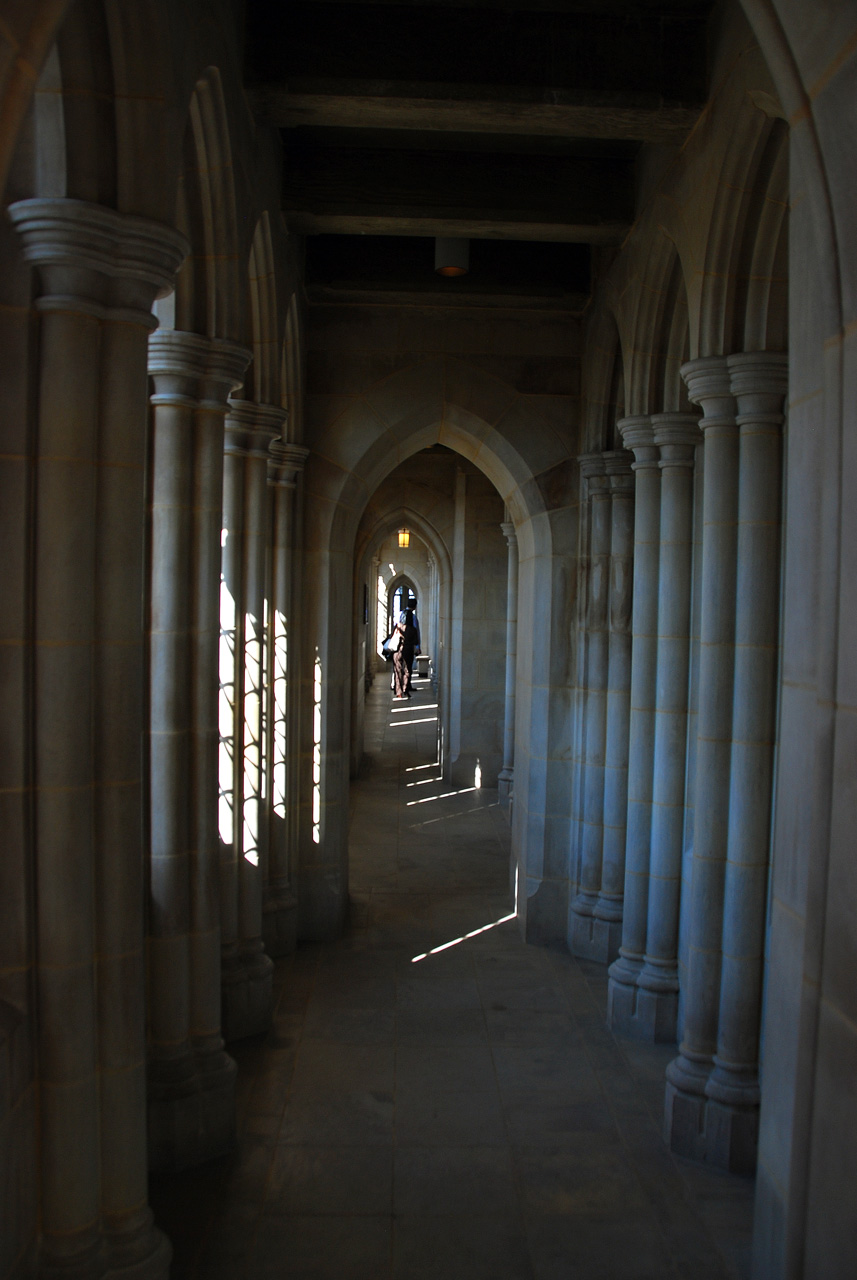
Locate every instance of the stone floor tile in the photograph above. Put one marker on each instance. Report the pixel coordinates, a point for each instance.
(456, 1118)
(440, 1068)
(530, 1028)
(524, 1071)
(330, 1180)
(352, 1118)
(460, 1248)
(569, 1249)
(444, 993)
(580, 1179)
(555, 1122)
(441, 1026)
(463, 1115)
(453, 1180)
(322, 1066)
(351, 1026)
(322, 1248)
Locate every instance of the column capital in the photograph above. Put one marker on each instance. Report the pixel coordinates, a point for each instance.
(508, 531)
(189, 368)
(759, 381)
(285, 462)
(636, 433)
(618, 466)
(91, 258)
(677, 435)
(709, 385)
(594, 472)
(251, 427)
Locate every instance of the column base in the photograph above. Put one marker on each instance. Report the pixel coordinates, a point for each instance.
(143, 1254)
(247, 997)
(592, 938)
(192, 1120)
(542, 910)
(640, 1014)
(711, 1132)
(280, 925)
(105, 1261)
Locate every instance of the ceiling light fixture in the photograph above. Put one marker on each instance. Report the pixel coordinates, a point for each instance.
(404, 537)
(451, 257)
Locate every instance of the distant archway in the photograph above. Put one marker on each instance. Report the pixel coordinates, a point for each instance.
(531, 466)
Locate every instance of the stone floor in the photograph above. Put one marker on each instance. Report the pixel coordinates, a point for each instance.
(436, 1100)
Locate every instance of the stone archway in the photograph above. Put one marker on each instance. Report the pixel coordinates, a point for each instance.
(531, 466)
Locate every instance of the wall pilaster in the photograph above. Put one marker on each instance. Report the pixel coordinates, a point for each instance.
(99, 273)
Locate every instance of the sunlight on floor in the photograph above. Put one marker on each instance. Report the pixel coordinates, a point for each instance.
(444, 795)
(474, 933)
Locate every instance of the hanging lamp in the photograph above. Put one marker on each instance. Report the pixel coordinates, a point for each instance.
(451, 256)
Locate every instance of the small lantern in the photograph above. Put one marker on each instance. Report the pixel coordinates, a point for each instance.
(404, 537)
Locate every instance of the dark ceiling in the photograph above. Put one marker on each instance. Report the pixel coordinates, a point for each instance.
(514, 124)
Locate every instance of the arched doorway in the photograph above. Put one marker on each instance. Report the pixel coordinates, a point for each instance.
(530, 467)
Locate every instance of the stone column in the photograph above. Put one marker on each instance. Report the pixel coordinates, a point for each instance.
(506, 776)
(676, 436)
(247, 970)
(637, 435)
(582, 936)
(100, 272)
(191, 1111)
(727, 1116)
(285, 463)
(709, 386)
(607, 913)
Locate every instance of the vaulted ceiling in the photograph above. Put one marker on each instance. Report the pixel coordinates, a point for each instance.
(516, 124)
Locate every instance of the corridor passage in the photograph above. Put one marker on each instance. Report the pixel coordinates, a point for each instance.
(436, 1100)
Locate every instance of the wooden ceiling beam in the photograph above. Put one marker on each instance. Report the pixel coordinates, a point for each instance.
(275, 104)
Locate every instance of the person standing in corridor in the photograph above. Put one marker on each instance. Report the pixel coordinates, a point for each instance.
(403, 660)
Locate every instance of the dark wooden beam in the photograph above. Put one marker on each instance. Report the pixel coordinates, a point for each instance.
(275, 104)
(346, 191)
(436, 296)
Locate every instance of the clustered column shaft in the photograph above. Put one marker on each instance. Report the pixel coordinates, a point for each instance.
(505, 779)
(191, 1079)
(637, 435)
(100, 272)
(597, 910)
(247, 970)
(285, 463)
(607, 913)
(644, 982)
(712, 1087)
(676, 436)
(594, 721)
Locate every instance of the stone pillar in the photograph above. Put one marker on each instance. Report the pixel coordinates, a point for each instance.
(279, 927)
(585, 938)
(720, 1122)
(506, 776)
(709, 386)
(100, 272)
(676, 436)
(247, 970)
(607, 913)
(637, 435)
(191, 1113)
